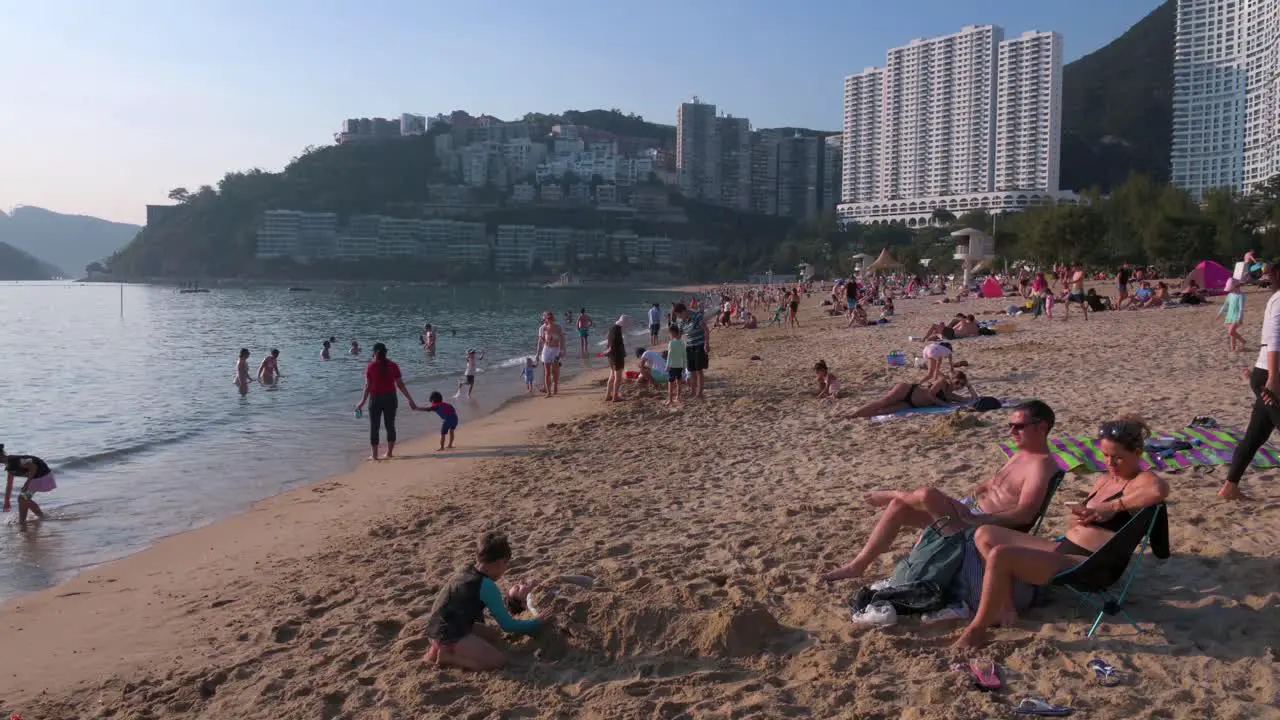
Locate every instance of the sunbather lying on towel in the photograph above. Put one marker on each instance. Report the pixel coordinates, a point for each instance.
(1011, 499)
(905, 396)
(1012, 555)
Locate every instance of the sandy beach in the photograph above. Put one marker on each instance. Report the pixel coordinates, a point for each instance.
(705, 527)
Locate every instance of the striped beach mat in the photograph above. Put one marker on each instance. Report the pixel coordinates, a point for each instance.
(1212, 446)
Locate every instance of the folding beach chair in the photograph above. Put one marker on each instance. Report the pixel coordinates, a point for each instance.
(1054, 483)
(1092, 580)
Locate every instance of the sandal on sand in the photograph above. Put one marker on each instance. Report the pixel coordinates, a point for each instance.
(985, 675)
(1105, 674)
(1037, 706)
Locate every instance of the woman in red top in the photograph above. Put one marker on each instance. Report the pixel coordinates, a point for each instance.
(381, 379)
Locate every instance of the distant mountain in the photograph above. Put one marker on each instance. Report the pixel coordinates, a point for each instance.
(17, 265)
(1117, 107)
(69, 242)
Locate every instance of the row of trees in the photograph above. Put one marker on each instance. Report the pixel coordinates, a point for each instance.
(1141, 222)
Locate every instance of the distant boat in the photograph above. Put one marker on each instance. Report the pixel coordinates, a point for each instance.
(188, 291)
(299, 289)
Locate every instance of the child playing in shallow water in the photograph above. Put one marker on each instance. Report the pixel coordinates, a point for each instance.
(828, 385)
(456, 623)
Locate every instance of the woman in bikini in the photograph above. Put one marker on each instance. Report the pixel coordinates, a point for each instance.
(1116, 498)
(905, 396)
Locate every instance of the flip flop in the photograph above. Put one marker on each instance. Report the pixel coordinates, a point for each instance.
(1037, 706)
(985, 675)
(1105, 674)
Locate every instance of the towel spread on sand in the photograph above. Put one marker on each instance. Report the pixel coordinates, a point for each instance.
(1211, 446)
(931, 410)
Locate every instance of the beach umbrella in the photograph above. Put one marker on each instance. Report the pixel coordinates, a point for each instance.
(885, 262)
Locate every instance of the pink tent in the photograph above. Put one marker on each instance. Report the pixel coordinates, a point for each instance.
(1210, 276)
(991, 288)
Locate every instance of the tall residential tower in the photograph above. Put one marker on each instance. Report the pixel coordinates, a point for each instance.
(962, 122)
(1226, 94)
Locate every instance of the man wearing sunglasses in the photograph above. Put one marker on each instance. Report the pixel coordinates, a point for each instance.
(1012, 498)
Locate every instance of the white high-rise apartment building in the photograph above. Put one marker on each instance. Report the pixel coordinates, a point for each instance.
(1226, 94)
(698, 151)
(945, 125)
(1029, 112)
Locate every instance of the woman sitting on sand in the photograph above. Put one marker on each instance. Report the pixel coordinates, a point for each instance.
(907, 396)
(1115, 499)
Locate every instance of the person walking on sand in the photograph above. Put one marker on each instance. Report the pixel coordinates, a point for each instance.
(1233, 308)
(39, 478)
(241, 379)
(381, 380)
(448, 414)
(697, 339)
(584, 330)
(269, 370)
(1075, 294)
(550, 348)
(1264, 380)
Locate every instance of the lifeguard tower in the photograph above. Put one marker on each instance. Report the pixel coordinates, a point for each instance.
(973, 247)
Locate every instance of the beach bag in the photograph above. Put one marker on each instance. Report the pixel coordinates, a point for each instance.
(936, 558)
(986, 403)
(910, 599)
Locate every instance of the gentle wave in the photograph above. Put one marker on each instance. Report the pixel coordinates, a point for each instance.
(79, 462)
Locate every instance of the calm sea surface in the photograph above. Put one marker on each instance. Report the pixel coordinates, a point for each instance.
(147, 436)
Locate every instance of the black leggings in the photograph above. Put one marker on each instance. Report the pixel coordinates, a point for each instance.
(1264, 419)
(382, 409)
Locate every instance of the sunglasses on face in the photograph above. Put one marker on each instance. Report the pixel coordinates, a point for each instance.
(1121, 433)
(1020, 426)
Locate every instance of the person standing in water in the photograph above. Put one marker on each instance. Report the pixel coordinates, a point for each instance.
(655, 323)
(381, 380)
(269, 370)
(324, 350)
(550, 348)
(584, 330)
(355, 348)
(428, 338)
(241, 380)
(39, 478)
(469, 374)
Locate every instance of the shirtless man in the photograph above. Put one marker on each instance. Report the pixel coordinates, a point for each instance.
(550, 350)
(427, 339)
(1011, 499)
(1075, 294)
(269, 370)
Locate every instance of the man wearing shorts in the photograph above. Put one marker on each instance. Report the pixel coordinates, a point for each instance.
(655, 323)
(584, 330)
(697, 340)
(1075, 294)
(550, 349)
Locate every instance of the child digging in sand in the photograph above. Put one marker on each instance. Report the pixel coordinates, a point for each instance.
(447, 413)
(828, 385)
(456, 624)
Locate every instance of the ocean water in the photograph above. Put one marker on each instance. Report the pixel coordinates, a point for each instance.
(147, 436)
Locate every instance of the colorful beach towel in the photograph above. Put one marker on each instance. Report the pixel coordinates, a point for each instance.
(931, 410)
(1210, 446)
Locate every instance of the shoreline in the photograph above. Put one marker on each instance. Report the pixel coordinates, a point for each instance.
(152, 590)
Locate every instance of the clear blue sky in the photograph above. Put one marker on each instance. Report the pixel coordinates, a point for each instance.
(105, 106)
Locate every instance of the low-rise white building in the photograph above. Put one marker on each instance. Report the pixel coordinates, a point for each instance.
(513, 248)
(917, 212)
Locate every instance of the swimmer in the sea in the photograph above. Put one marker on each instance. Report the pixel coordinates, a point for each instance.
(456, 623)
(355, 348)
(324, 350)
(269, 370)
(241, 379)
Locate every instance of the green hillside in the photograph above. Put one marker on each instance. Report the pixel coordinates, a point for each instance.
(1117, 107)
(18, 265)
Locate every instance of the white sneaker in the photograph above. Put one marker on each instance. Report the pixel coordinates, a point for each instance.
(877, 614)
(947, 614)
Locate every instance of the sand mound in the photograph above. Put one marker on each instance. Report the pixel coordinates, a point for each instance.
(744, 628)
